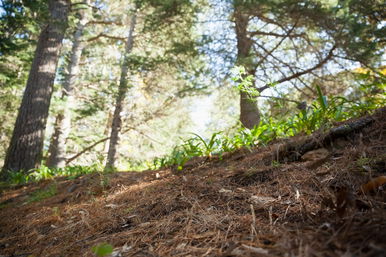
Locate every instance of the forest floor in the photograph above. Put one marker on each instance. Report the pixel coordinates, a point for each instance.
(256, 202)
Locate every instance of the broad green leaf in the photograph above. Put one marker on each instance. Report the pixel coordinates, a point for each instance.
(103, 249)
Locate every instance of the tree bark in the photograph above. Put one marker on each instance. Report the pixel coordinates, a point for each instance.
(107, 132)
(62, 128)
(249, 110)
(123, 87)
(25, 149)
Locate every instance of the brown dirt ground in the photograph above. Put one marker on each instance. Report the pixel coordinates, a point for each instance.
(247, 204)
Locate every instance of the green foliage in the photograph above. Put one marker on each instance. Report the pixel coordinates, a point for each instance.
(104, 180)
(192, 147)
(244, 82)
(19, 22)
(17, 177)
(355, 24)
(364, 39)
(43, 172)
(320, 115)
(210, 146)
(103, 249)
(42, 194)
(165, 11)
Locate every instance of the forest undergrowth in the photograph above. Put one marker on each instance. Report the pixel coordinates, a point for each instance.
(329, 201)
(321, 115)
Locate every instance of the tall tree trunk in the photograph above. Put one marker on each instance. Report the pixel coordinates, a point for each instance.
(249, 110)
(117, 121)
(25, 149)
(62, 127)
(107, 132)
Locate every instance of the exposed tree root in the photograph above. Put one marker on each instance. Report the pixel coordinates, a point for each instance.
(293, 150)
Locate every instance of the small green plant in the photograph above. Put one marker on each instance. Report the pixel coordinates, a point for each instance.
(208, 147)
(128, 209)
(17, 177)
(3, 205)
(56, 211)
(244, 81)
(42, 194)
(102, 249)
(363, 161)
(179, 157)
(275, 164)
(104, 180)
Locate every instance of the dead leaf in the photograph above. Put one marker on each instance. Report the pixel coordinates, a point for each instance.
(373, 185)
(262, 200)
(225, 191)
(314, 155)
(112, 206)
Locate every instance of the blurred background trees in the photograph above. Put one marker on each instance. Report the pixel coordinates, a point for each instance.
(180, 68)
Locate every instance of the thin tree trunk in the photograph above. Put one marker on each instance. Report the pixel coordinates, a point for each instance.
(25, 149)
(123, 87)
(107, 132)
(249, 110)
(62, 128)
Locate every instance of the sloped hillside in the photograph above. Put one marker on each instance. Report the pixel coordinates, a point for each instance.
(318, 195)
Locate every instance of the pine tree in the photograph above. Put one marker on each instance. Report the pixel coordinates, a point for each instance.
(122, 90)
(25, 150)
(57, 149)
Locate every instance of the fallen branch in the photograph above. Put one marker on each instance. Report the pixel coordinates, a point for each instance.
(292, 151)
